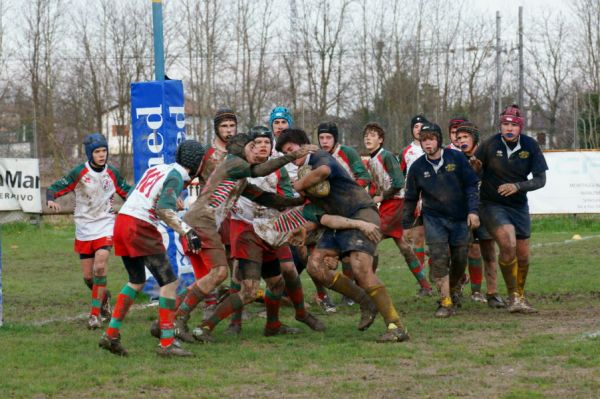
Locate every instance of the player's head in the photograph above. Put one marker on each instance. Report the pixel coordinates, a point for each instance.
(225, 124)
(373, 136)
(430, 133)
(280, 119)
(415, 125)
(467, 136)
(263, 140)
(242, 145)
(512, 122)
(96, 149)
(189, 155)
(452, 125)
(328, 135)
(291, 140)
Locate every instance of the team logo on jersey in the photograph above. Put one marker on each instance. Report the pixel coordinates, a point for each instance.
(499, 153)
(106, 186)
(524, 154)
(426, 174)
(451, 167)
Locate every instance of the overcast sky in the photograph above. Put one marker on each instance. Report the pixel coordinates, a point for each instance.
(510, 8)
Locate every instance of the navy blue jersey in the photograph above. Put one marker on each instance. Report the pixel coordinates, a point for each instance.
(450, 192)
(499, 168)
(345, 197)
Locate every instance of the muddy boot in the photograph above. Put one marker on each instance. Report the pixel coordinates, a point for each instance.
(494, 301)
(281, 330)
(311, 321)
(113, 345)
(394, 334)
(173, 350)
(203, 335)
(94, 322)
(181, 329)
(445, 308)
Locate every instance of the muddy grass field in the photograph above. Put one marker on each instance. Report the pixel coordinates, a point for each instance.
(46, 351)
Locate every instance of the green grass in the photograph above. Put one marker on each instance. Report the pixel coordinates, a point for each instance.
(478, 353)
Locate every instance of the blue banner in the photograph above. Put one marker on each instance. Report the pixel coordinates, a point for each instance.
(158, 122)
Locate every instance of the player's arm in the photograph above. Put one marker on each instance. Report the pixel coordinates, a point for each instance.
(315, 176)
(270, 166)
(270, 200)
(393, 168)
(361, 175)
(411, 198)
(121, 186)
(63, 186)
(336, 222)
(166, 210)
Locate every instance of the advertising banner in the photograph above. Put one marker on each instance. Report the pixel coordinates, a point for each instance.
(572, 184)
(158, 122)
(20, 185)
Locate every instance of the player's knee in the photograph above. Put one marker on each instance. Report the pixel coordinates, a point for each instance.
(249, 290)
(219, 274)
(277, 285)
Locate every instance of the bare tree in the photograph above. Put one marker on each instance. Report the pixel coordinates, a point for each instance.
(549, 71)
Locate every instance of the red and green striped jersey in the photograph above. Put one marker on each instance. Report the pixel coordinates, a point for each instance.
(94, 192)
(386, 173)
(351, 162)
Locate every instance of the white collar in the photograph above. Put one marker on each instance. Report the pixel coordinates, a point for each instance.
(509, 152)
(439, 164)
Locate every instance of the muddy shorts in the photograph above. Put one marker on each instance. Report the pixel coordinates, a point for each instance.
(390, 212)
(246, 244)
(351, 240)
(440, 230)
(495, 215)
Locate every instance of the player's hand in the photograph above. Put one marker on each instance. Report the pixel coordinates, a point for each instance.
(475, 164)
(331, 261)
(55, 206)
(371, 231)
(473, 221)
(304, 150)
(179, 204)
(298, 237)
(507, 189)
(193, 241)
(377, 199)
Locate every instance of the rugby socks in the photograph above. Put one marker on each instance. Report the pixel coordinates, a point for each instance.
(475, 274)
(236, 316)
(383, 302)
(98, 291)
(420, 254)
(193, 297)
(272, 304)
(321, 291)
(296, 295)
(417, 269)
(345, 286)
(181, 294)
(232, 303)
(509, 272)
(124, 301)
(522, 271)
(211, 298)
(166, 318)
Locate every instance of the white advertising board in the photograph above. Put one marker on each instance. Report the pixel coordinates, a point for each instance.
(20, 185)
(572, 184)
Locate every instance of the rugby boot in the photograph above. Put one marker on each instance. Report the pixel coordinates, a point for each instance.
(423, 292)
(456, 299)
(445, 308)
(105, 308)
(494, 301)
(203, 335)
(526, 307)
(94, 322)
(311, 321)
(281, 330)
(173, 350)
(368, 313)
(394, 334)
(113, 345)
(209, 310)
(181, 329)
(478, 297)
(326, 304)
